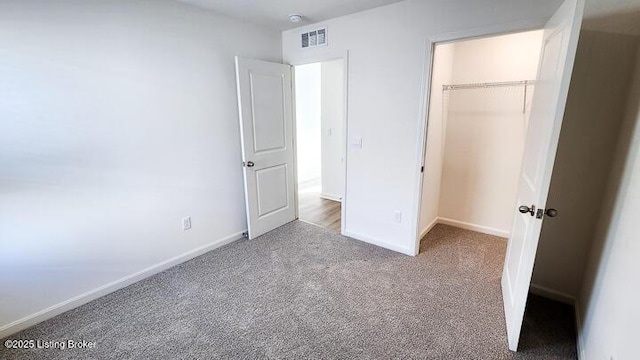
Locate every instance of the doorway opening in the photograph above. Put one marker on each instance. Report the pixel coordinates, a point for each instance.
(480, 104)
(320, 142)
(483, 155)
(480, 99)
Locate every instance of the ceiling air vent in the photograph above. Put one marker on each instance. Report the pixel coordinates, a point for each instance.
(314, 38)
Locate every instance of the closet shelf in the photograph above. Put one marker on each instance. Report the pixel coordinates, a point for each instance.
(524, 83)
(487, 85)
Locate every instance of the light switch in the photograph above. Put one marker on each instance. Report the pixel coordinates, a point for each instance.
(186, 223)
(356, 142)
(397, 216)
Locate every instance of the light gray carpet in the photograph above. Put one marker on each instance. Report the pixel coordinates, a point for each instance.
(305, 292)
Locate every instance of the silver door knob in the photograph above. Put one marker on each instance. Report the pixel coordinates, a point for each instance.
(525, 209)
(250, 164)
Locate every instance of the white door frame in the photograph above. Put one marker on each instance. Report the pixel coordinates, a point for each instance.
(337, 55)
(425, 96)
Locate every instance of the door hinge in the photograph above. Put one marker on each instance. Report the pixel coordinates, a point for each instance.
(422, 169)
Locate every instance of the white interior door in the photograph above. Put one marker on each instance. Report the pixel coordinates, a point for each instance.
(552, 85)
(266, 129)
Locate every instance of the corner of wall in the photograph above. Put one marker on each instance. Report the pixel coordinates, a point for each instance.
(579, 340)
(425, 230)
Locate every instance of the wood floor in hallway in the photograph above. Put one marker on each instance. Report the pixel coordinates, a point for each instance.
(316, 210)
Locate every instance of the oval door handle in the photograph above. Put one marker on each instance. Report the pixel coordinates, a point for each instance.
(551, 212)
(250, 164)
(525, 209)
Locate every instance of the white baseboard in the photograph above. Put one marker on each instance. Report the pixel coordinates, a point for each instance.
(474, 227)
(384, 244)
(552, 294)
(579, 340)
(333, 197)
(428, 228)
(88, 296)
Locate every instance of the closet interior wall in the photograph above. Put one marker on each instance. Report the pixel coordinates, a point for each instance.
(475, 136)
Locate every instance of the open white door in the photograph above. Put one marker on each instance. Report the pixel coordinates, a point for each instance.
(547, 110)
(266, 131)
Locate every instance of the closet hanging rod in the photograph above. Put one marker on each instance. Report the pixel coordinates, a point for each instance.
(487, 85)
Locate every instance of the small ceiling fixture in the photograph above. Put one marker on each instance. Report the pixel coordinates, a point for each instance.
(295, 18)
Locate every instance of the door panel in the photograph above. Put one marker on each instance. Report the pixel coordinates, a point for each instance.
(267, 112)
(266, 129)
(546, 104)
(547, 110)
(271, 185)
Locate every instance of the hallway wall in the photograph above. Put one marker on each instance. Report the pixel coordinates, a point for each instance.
(308, 97)
(332, 129)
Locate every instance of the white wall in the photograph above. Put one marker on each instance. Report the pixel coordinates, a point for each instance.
(118, 119)
(486, 130)
(332, 138)
(610, 295)
(434, 146)
(590, 132)
(308, 121)
(498, 58)
(387, 58)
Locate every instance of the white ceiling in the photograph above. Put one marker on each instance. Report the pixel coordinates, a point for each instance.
(273, 13)
(621, 16)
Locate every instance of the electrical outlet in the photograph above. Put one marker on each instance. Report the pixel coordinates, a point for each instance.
(186, 223)
(397, 216)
